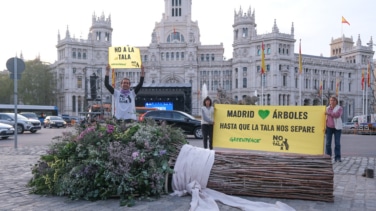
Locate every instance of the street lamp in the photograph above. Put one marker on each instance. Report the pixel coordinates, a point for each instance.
(94, 84)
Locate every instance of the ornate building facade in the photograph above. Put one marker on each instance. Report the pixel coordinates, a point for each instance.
(175, 56)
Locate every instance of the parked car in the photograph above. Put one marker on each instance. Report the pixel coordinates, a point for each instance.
(54, 121)
(29, 115)
(75, 120)
(142, 110)
(349, 125)
(6, 130)
(23, 123)
(189, 124)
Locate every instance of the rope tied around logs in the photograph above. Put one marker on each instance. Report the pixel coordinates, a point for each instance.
(191, 174)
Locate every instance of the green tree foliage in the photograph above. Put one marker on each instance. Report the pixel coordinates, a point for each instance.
(6, 88)
(37, 85)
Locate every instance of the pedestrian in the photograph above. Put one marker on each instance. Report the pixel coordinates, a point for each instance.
(207, 121)
(333, 127)
(125, 98)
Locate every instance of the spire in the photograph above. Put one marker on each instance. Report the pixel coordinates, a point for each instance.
(275, 28)
(58, 35)
(370, 43)
(67, 35)
(292, 28)
(358, 42)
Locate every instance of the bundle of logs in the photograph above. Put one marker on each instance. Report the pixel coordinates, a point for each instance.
(289, 176)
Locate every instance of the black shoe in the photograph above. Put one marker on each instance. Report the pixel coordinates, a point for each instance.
(338, 160)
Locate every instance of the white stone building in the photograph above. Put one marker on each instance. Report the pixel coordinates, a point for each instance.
(176, 56)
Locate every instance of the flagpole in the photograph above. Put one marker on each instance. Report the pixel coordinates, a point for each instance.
(365, 87)
(263, 72)
(363, 101)
(300, 89)
(300, 71)
(321, 89)
(262, 89)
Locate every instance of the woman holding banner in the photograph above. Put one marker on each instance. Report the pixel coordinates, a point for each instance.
(125, 98)
(333, 127)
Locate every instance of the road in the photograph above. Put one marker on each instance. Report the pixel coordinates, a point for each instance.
(352, 144)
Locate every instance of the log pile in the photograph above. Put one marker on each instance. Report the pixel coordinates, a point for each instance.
(289, 176)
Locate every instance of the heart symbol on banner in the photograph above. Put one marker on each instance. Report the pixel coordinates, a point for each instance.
(263, 113)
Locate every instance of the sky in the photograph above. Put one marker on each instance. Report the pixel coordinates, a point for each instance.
(31, 27)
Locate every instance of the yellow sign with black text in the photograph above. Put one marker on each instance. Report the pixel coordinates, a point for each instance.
(124, 57)
(287, 129)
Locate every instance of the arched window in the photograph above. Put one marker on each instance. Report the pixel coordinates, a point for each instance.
(175, 37)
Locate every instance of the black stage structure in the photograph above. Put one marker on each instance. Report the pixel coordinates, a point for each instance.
(177, 94)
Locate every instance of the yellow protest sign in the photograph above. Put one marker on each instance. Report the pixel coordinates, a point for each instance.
(124, 57)
(287, 129)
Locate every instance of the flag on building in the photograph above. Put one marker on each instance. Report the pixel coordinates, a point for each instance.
(300, 58)
(263, 59)
(369, 74)
(320, 89)
(337, 86)
(362, 80)
(345, 21)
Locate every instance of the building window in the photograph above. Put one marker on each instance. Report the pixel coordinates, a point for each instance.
(207, 57)
(107, 36)
(177, 55)
(284, 80)
(79, 82)
(244, 82)
(167, 56)
(182, 55)
(98, 36)
(79, 104)
(172, 55)
(236, 83)
(162, 56)
(73, 53)
(84, 55)
(245, 32)
(202, 57)
(212, 57)
(74, 103)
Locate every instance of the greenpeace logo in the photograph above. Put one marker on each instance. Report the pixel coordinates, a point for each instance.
(247, 140)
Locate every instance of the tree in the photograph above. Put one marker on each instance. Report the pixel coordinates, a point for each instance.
(6, 88)
(37, 85)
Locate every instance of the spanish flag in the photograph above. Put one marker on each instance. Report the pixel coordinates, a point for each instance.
(369, 74)
(345, 21)
(338, 81)
(262, 59)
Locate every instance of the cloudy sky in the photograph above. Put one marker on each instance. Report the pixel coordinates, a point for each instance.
(31, 27)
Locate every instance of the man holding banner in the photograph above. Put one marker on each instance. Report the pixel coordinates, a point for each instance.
(125, 98)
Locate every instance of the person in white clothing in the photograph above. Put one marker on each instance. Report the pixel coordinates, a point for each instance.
(125, 98)
(207, 121)
(333, 127)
